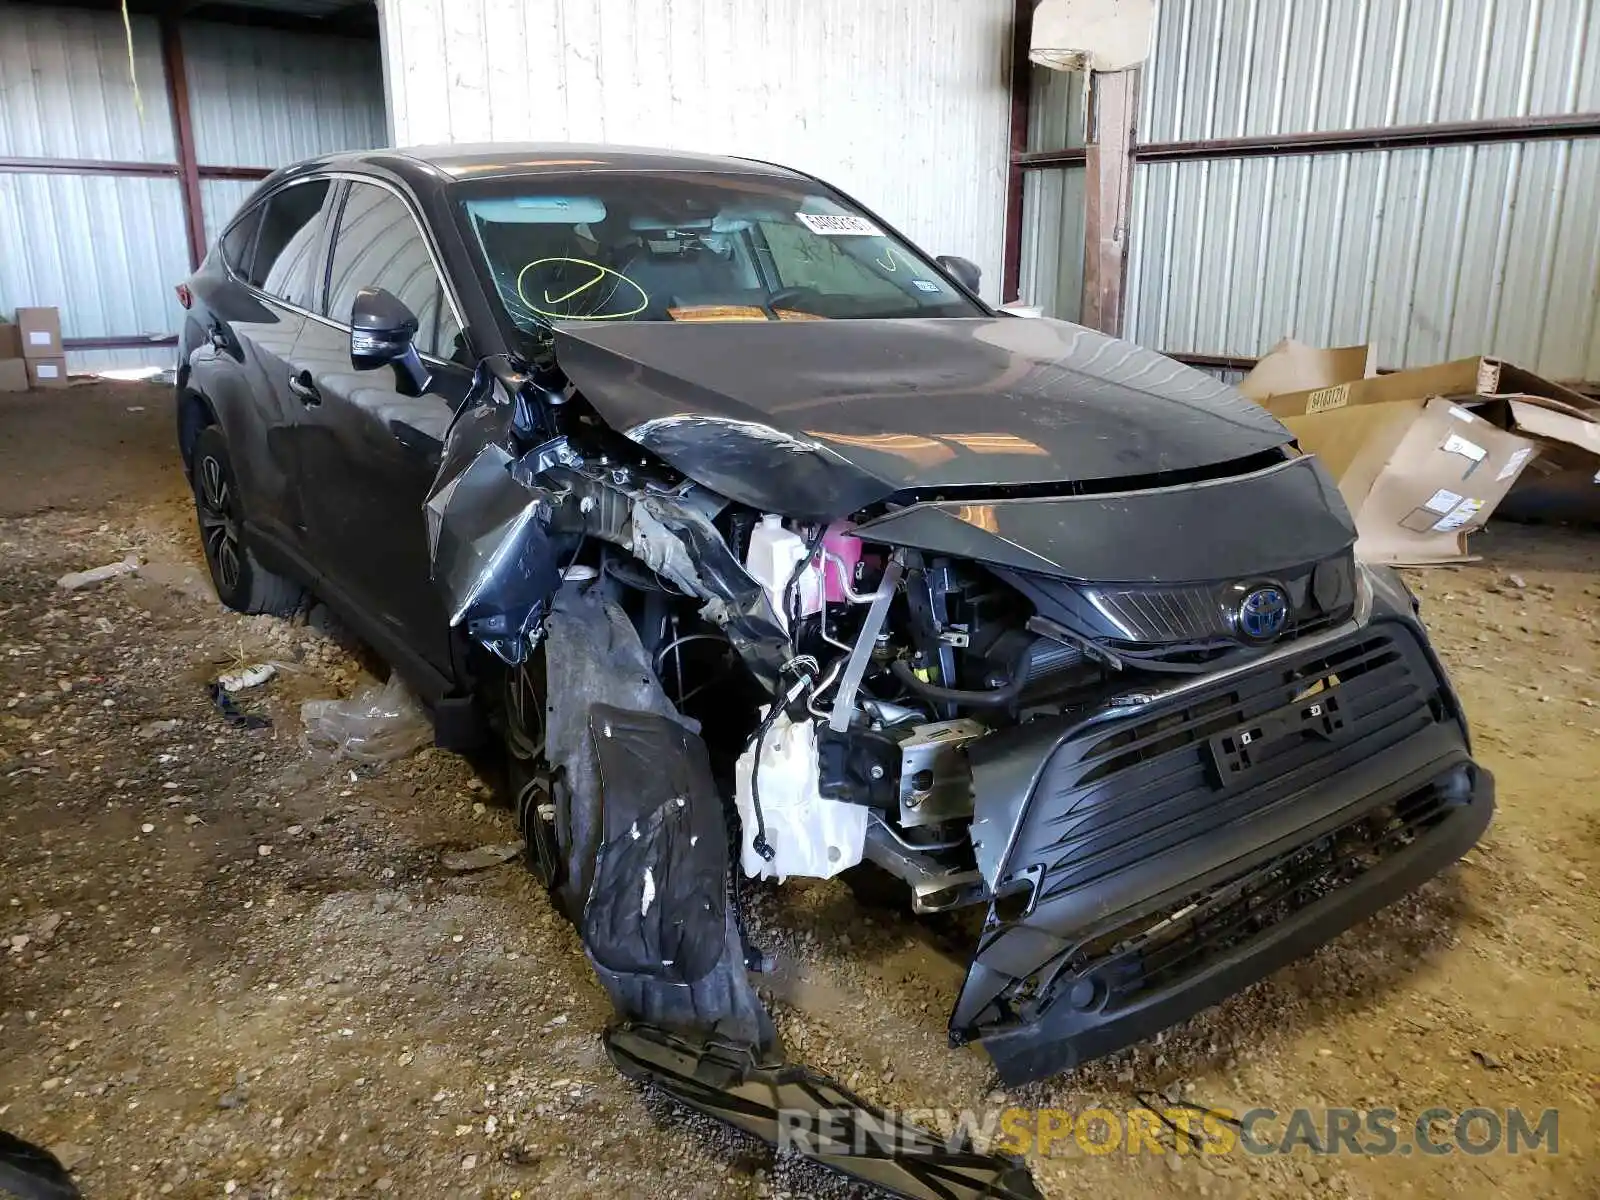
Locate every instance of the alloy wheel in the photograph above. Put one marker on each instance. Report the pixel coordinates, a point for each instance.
(219, 524)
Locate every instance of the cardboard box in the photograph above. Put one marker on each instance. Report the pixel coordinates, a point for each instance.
(1561, 483)
(10, 341)
(13, 375)
(47, 372)
(41, 332)
(1418, 468)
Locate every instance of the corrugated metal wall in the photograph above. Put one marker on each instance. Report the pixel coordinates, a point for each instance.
(902, 103)
(89, 244)
(1052, 200)
(1430, 253)
(263, 97)
(108, 249)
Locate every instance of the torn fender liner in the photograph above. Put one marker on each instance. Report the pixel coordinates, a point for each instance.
(658, 902)
(795, 1108)
(630, 761)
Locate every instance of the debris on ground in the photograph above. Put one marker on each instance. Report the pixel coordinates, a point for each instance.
(380, 723)
(235, 716)
(73, 580)
(461, 862)
(245, 678)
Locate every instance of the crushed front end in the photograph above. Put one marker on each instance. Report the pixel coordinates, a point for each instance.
(1160, 726)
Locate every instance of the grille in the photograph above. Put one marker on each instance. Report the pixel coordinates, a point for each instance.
(1123, 964)
(1119, 795)
(1186, 614)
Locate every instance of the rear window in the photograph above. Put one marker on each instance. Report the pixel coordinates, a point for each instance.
(240, 240)
(288, 240)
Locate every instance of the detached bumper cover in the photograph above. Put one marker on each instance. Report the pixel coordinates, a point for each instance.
(1164, 861)
(798, 1110)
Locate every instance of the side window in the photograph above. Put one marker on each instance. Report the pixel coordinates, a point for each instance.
(288, 242)
(240, 240)
(380, 245)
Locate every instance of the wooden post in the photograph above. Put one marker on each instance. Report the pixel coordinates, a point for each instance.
(183, 137)
(1021, 79)
(1108, 196)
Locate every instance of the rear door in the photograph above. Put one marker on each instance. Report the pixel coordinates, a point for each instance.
(372, 451)
(254, 318)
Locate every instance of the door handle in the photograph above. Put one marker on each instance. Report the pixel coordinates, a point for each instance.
(300, 383)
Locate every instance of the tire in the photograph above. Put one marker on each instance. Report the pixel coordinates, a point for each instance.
(242, 583)
(538, 796)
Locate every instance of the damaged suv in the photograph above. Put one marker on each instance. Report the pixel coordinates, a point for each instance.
(765, 545)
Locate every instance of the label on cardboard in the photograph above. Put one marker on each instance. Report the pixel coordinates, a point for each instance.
(1456, 444)
(1458, 516)
(1442, 501)
(1461, 414)
(1324, 399)
(1514, 463)
(38, 337)
(47, 371)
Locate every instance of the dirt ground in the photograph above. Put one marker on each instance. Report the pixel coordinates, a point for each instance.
(230, 967)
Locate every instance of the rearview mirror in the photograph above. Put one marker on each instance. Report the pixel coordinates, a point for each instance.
(383, 331)
(966, 272)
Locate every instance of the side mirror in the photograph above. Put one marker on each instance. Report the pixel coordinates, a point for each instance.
(967, 273)
(383, 331)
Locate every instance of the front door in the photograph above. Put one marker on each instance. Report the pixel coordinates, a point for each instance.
(369, 453)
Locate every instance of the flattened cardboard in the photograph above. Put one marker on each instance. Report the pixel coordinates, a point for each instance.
(47, 372)
(1293, 366)
(10, 341)
(1560, 427)
(1418, 474)
(41, 332)
(13, 375)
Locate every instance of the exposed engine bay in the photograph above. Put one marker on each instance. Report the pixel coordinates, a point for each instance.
(988, 693)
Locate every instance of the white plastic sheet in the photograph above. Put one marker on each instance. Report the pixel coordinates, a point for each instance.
(380, 723)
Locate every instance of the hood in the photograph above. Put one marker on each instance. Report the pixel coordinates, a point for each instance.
(819, 418)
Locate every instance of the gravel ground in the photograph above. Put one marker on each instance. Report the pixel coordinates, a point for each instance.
(230, 966)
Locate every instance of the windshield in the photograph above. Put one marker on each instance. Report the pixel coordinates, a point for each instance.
(694, 247)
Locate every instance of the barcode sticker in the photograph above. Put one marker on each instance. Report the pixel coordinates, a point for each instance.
(1456, 444)
(1459, 516)
(1325, 398)
(1514, 463)
(838, 224)
(1442, 501)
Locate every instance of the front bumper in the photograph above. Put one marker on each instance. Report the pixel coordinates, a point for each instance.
(1163, 861)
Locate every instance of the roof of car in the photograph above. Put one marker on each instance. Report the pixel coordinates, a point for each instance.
(499, 159)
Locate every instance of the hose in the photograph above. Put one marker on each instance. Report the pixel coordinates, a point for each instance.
(998, 697)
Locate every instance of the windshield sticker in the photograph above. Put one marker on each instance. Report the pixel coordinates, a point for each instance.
(838, 225)
(925, 285)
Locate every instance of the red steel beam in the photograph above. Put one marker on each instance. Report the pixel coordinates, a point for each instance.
(1021, 77)
(132, 341)
(183, 137)
(1344, 141)
(83, 166)
(106, 166)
